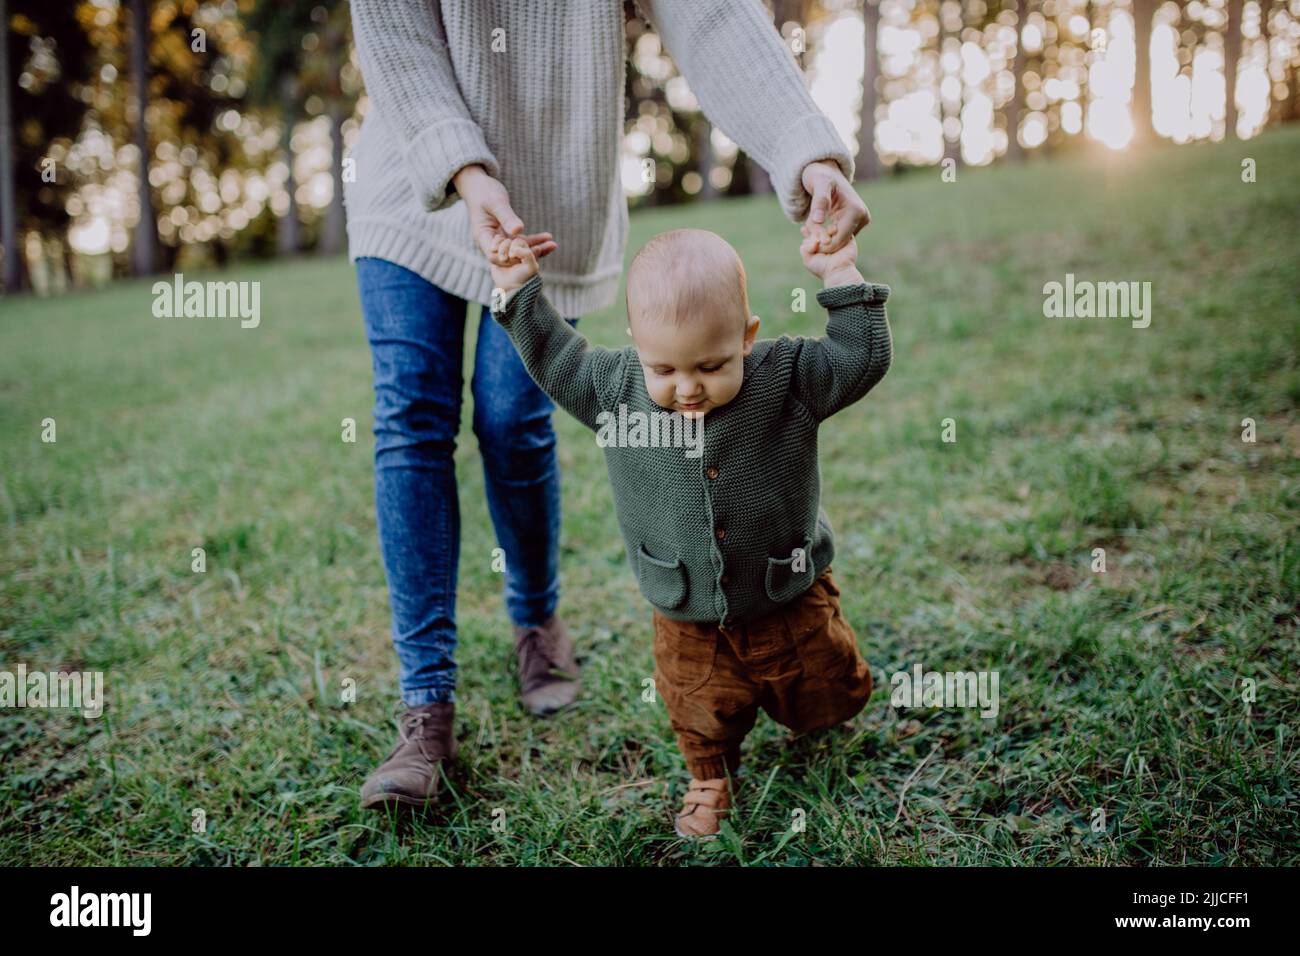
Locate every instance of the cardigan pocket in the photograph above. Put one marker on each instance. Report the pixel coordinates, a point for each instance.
(662, 582)
(784, 582)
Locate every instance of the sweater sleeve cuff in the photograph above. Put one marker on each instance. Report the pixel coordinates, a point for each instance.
(441, 151)
(868, 293)
(506, 306)
(814, 137)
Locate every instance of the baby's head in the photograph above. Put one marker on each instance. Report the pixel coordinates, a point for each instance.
(688, 314)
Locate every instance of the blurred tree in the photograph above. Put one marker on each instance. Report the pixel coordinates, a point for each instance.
(280, 26)
(1231, 57)
(337, 35)
(951, 16)
(1093, 48)
(1276, 83)
(1282, 71)
(1015, 106)
(46, 67)
(8, 226)
(867, 164)
(330, 77)
(1063, 58)
(704, 157)
(144, 251)
(304, 68)
(198, 58)
(650, 113)
(1143, 13)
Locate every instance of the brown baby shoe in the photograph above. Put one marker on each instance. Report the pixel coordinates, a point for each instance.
(548, 670)
(706, 801)
(411, 772)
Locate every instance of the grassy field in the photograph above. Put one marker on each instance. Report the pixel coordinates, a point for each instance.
(1120, 692)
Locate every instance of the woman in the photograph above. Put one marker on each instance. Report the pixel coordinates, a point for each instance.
(517, 109)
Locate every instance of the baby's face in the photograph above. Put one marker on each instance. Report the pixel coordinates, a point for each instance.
(697, 367)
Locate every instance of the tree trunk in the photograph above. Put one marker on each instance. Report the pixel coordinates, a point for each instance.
(333, 231)
(287, 228)
(8, 203)
(1288, 108)
(741, 170)
(704, 156)
(867, 164)
(1275, 106)
(69, 262)
(144, 252)
(1015, 105)
(1143, 130)
(1085, 87)
(1285, 109)
(1231, 56)
(1293, 93)
(951, 149)
(167, 256)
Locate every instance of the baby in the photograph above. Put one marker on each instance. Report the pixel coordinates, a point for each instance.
(728, 542)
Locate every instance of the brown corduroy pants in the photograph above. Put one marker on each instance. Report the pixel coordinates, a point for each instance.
(800, 664)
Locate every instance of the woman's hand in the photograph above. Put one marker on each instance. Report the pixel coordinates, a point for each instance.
(490, 216)
(836, 206)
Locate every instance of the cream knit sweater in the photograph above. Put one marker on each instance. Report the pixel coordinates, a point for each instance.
(533, 90)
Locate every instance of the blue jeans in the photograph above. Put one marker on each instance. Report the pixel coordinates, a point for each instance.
(417, 337)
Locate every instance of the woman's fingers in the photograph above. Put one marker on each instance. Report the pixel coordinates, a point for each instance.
(541, 243)
(498, 207)
(504, 249)
(821, 201)
(847, 221)
(534, 239)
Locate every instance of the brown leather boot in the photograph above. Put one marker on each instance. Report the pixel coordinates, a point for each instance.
(410, 774)
(548, 669)
(706, 802)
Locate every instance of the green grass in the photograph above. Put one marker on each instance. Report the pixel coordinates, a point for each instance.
(1119, 691)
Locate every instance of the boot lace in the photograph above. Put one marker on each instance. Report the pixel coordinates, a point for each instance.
(414, 726)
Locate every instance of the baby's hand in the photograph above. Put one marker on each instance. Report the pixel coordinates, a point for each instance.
(513, 261)
(820, 264)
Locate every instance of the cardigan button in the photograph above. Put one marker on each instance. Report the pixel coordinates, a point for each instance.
(720, 533)
(711, 471)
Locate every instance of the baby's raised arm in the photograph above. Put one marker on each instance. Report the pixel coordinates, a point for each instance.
(833, 372)
(582, 378)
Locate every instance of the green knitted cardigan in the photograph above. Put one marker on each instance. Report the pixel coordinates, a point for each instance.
(733, 528)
